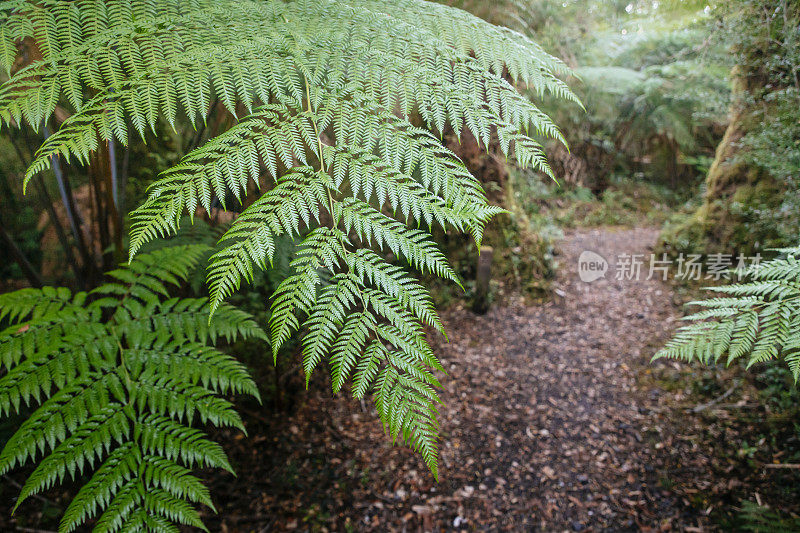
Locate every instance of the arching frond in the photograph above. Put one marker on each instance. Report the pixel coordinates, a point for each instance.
(340, 108)
(116, 392)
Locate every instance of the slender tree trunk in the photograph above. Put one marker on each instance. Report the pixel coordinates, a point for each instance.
(73, 214)
(75, 219)
(123, 181)
(672, 160)
(97, 181)
(112, 199)
(46, 202)
(27, 269)
(198, 136)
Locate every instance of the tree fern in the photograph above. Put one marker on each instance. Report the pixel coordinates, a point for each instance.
(115, 379)
(340, 107)
(758, 320)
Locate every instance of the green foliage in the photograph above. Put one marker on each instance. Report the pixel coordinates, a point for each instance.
(329, 99)
(115, 380)
(777, 390)
(626, 201)
(655, 97)
(762, 34)
(672, 94)
(768, 56)
(762, 519)
(773, 144)
(752, 200)
(757, 320)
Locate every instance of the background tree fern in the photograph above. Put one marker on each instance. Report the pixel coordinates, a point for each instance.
(340, 109)
(758, 320)
(116, 379)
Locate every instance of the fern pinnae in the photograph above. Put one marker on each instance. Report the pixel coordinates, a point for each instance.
(288, 208)
(414, 246)
(393, 280)
(367, 368)
(326, 318)
(120, 393)
(157, 433)
(86, 445)
(352, 73)
(348, 347)
(118, 468)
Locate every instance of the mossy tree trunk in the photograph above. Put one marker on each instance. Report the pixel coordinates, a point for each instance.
(735, 189)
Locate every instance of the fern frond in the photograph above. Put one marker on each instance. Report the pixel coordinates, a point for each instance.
(756, 321)
(340, 108)
(117, 378)
(395, 282)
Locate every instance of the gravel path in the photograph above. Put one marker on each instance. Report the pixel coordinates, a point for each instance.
(558, 436)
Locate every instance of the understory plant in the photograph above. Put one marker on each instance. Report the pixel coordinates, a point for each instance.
(113, 384)
(757, 321)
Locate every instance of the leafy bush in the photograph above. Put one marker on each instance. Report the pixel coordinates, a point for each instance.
(626, 202)
(774, 145)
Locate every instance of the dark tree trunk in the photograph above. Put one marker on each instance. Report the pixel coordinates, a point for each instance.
(27, 268)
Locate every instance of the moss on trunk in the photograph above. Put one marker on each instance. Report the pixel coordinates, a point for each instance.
(736, 191)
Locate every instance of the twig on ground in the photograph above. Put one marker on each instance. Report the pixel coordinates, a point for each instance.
(715, 401)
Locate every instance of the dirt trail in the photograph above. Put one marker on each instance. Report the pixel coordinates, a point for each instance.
(543, 426)
(558, 436)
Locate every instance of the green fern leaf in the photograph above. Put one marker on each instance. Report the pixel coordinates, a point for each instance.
(116, 393)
